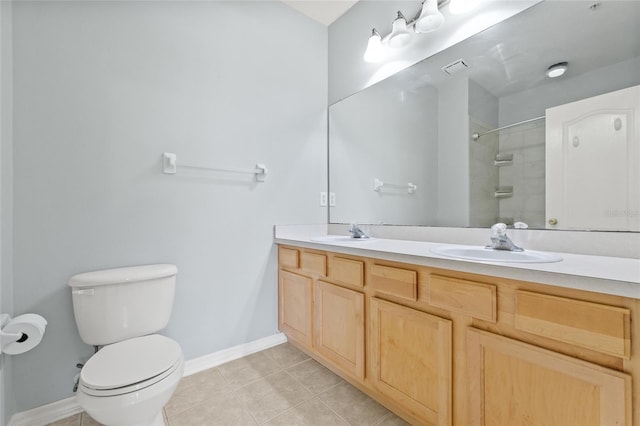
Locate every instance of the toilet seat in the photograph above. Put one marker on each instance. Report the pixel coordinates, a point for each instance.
(130, 365)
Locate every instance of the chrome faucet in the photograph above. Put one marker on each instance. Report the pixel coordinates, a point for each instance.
(500, 240)
(356, 232)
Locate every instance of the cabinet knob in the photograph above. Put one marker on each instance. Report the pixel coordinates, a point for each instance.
(553, 221)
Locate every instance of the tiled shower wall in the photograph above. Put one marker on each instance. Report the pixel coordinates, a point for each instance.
(526, 174)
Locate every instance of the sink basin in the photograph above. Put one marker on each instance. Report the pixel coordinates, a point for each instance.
(490, 255)
(339, 239)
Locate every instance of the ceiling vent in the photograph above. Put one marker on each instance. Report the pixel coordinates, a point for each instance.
(455, 67)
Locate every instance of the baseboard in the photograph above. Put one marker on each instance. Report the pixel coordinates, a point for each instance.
(67, 407)
(205, 362)
(46, 413)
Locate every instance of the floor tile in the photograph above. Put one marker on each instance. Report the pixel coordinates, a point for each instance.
(271, 396)
(278, 386)
(285, 355)
(220, 409)
(68, 421)
(195, 389)
(392, 420)
(248, 369)
(309, 413)
(352, 405)
(314, 376)
(88, 421)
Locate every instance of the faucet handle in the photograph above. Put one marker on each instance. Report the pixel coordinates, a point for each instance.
(356, 232)
(499, 229)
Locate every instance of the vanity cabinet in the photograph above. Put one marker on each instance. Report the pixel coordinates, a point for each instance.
(445, 347)
(321, 307)
(411, 359)
(339, 327)
(294, 307)
(514, 383)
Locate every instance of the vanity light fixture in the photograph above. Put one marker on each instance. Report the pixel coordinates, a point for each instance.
(375, 50)
(556, 70)
(428, 19)
(400, 35)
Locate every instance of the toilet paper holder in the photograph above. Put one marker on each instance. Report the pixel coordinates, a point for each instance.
(7, 338)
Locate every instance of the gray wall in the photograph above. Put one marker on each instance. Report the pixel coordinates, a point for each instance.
(6, 290)
(453, 150)
(387, 134)
(349, 73)
(533, 103)
(101, 90)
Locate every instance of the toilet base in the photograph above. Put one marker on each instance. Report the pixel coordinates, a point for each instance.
(158, 420)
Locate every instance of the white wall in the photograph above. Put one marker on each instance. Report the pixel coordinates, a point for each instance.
(7, 401)
(101, 89)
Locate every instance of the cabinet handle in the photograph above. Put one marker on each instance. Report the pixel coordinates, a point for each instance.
(553, 221)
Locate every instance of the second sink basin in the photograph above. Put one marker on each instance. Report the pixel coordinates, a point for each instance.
(491, 255)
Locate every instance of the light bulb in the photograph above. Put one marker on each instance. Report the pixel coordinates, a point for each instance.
(375, 50)
(430, 18)
(399, 36)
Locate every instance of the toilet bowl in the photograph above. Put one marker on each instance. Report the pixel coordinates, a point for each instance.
(132, 376)
(128, 383)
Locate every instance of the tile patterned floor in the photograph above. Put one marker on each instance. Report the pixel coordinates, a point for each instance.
(280, 386)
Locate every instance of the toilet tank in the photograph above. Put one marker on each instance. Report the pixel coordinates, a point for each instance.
(118, 304)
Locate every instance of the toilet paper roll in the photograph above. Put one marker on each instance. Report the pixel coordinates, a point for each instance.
(31, 326)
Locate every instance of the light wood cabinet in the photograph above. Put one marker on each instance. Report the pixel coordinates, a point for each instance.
(514, 383)
(475, 299)
(411, 359)
(346, 271)
(594, 326)
(444, 347)
(339, 326)
(394, 281)
(294, 306)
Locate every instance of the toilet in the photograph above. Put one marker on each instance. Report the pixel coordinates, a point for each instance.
(135, 372)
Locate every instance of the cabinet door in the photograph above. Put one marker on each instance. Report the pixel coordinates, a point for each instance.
(339, 326)
(294, 299)
(514, 383)
(411, 359)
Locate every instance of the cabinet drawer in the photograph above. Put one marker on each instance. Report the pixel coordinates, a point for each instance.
(466, 297)
(347, 271)
(313, 263)
(395, 281)
(288, 258)
(601, 328)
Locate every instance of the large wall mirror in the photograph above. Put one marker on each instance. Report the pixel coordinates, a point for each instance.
(479, 133)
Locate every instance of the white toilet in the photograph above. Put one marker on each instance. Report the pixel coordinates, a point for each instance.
(133, 376)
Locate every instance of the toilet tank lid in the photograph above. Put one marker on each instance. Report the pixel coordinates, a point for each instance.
(123, 275)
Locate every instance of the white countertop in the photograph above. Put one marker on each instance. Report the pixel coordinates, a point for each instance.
(601, 274)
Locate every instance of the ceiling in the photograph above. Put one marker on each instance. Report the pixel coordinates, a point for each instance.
(325, 11)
